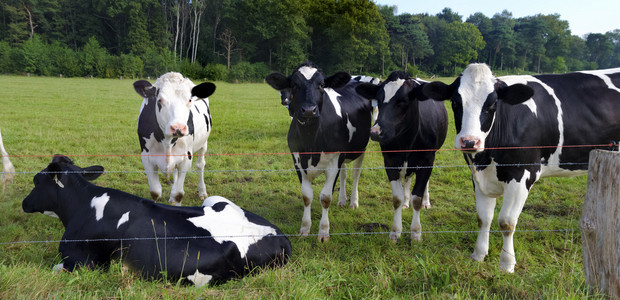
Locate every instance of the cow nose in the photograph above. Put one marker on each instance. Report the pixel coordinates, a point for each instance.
(178, 130)
(375, 133)
(469, 143)
(310, 111)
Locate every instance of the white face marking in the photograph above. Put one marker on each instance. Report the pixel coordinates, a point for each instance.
(230, 224)
(124, 218)
(351, 129)
(391, 88)
(307, 72)
(333, 98)
(199, 279)
(477, 82)
(58, 182)
(174, 94)
(50, 214)
(98, 203)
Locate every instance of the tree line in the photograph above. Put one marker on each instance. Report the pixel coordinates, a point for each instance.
(244, 40)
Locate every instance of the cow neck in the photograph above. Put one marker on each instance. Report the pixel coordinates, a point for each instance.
(305, 137)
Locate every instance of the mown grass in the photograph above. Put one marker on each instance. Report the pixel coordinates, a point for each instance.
(94, 121)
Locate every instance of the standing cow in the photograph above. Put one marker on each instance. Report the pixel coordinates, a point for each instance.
(174, 123)
(208, 244)
(330, 126)
(405, 125)
(540, 115)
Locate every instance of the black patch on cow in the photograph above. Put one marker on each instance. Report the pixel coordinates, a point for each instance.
(173, 141)
(189, 155)
(207, 121)
(190, 123)
(218, 207)
(487, 113)
(147, 124)
(615, 79)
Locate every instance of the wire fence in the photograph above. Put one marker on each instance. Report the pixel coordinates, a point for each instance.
(565, 230)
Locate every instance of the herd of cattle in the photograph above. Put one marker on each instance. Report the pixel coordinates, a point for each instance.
(512, 131)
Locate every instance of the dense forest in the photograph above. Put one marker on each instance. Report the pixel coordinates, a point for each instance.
(243, 40)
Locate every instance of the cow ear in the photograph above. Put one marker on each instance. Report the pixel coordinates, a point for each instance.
(203, 90)
(515, 94)
(367, 90)
(144, 88)
(337, 80)
(438, 90)
(278, 81)
(91, 173)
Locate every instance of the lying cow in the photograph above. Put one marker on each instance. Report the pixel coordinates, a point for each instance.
(330, 127)
(208, 244)
(8, 171)
(174, 123)
(539, 115)
(407, 122)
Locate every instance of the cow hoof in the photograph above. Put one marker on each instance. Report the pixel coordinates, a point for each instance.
(323, 238)
(426, 205)
(394, 236)
(175, 203)
(416, 236)
(477, 257)
(342, 204)
(354, 205)
(304, 232)
(203, 196)
(507, 268)
(405, 206)
(156, 196)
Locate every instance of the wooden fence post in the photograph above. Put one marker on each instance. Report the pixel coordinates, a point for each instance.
(600, 223)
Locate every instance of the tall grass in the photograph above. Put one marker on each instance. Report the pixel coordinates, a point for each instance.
(94, 122)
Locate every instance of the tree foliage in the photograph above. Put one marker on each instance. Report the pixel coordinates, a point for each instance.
(111, 38)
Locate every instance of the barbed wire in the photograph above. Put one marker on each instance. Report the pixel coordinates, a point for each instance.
(231, 237)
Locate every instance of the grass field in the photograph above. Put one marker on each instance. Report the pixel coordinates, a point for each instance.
(94, 122)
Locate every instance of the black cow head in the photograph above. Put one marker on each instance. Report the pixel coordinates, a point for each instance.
(397, 99)
(475, 95)
(58, 175)
(173, 94)
(307, 88)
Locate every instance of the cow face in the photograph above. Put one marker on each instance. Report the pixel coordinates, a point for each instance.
(307, 89)
(48, 184)
(173, 95)
(475, 95)
(397, 99)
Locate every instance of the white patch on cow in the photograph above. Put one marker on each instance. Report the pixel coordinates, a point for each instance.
(124, 218)
(50, 214)
(307, 72)
(98, 203)
(57, 268)
(199, 279)
(390, 89)
(477, 82)
(333, 96)
(351, 128)
(230, 224)
(62, 186)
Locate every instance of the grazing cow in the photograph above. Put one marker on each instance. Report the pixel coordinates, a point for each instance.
(543, 114)
(174, 123)
(8, 171)
(407, 122)
(330, 127)
(208, 244)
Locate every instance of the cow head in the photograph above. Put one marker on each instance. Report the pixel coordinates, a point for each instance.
(475, 95)
(307, 88)
(173, 94)
(397, 99)
(60, 174)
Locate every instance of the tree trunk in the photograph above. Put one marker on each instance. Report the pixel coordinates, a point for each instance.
(30, 22)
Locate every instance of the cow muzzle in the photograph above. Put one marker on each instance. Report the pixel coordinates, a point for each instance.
(470, 144)
(178, 130)
(376, 134)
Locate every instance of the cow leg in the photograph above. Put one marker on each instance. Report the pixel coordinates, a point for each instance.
(342, 194)
(152, 176)
(200, 166)
(515, 195)
(177, 192)
(326, 198)
(306, 194)
(357, 171)
(419, 189)
(398, 196)
(485, 207)
(407, 191)
(426, 200)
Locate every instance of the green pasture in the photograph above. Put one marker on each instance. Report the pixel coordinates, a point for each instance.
(94, 122)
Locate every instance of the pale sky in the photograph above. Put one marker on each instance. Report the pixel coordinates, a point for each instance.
(594, 16)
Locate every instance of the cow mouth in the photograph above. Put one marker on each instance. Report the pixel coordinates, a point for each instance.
(307, 121)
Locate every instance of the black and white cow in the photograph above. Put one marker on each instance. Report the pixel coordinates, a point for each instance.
(8, 170)
(406, 122)
(208, 244)
(174, 123)
(330, 126)
(542, 114)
